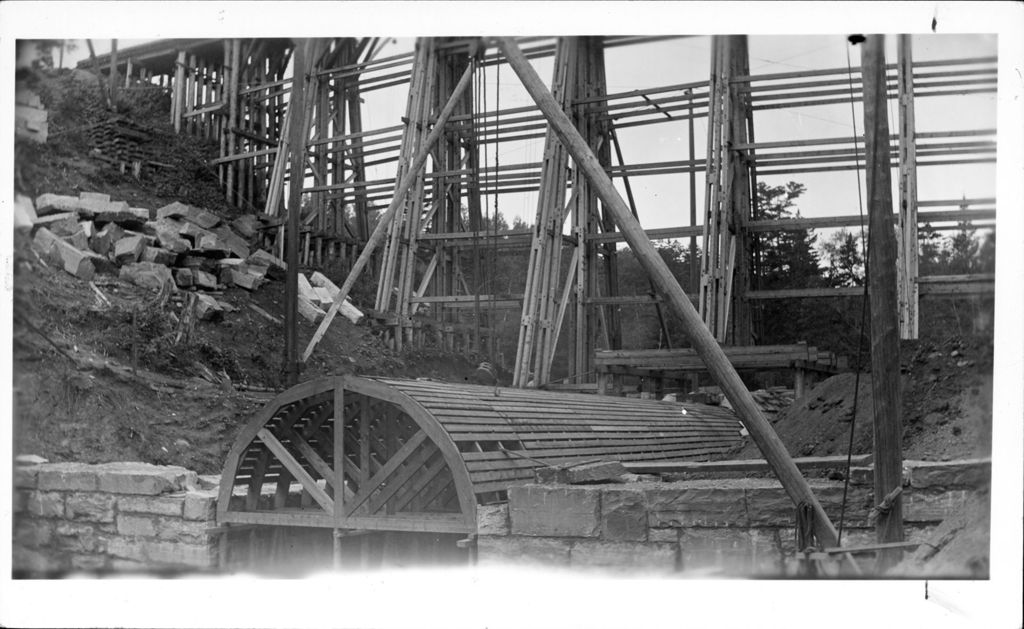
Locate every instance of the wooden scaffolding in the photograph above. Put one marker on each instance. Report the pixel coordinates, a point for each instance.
(431, 285)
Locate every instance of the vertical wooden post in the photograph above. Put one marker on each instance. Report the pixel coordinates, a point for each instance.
(233, 69)
(297, 143)
(703, 341)
(739, 104)
(885, 342)
(113, 73)
(179, 90)
(908, 245)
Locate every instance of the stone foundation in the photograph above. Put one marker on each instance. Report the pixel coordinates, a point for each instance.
(112, 517)
(139, 517)
(732, 527)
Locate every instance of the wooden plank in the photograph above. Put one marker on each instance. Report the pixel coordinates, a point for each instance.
(296, 470)
(280, 517)
(338, 407)
(422, 478)
(603, 450)
(413, 466)
(752, 465)
(385, 472)
(311, 455)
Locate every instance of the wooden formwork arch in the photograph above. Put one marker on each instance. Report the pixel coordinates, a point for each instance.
(419, 455)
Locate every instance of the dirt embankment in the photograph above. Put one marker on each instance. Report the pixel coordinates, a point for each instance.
(946, 406)
(112, 377)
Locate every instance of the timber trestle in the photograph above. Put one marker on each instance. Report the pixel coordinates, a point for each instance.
(418, 456)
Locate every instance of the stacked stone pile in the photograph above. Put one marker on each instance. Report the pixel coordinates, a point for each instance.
(179, 245)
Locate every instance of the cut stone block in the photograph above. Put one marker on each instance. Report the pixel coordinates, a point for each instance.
(503, 550)
(51, 203)
(235, 243)
(25, 216)
(194, 232)
(202, 218)
(143, 478)
(306, 290)
(26, 477)
(90, 507)
(129, 249)
(276, 266)
(159, 256)
(631, 556)
(204, 280)
(184, 278)
(135, 526)
(554, 511)
(173, 210)
(121, 213)
(971, 473)
(80, 537)
(492, 520)
(245, 225)
(79, 240)
(181, 554)
(623, 515)
(208, 308)
(347, 310)
(147, 275)
(73, 260)
(67, 477)
(211, 244)
(245, 279)
(683, 505)
(157, 505)
(46, 504)
(597, 472)
(920, 506)
(309, 311)
(168, 235)
(66, 225)
(200, 505)
(102, 242)
(177, 529)
(94, 196)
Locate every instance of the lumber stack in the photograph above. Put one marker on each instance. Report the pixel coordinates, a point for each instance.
(122, 143)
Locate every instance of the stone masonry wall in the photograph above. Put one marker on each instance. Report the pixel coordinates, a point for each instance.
(110, 517)
(737, 527)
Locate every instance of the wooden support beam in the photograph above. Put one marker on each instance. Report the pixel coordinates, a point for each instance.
(908, 216)
(709, 350)
(296, 470)
(297, 142)
(382, 225)
(885, 342)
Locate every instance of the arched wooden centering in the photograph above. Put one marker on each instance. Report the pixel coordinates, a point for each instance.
(420, 455)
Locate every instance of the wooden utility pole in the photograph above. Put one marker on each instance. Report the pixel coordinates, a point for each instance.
(297, 142)
(704, 342)
(885, 340)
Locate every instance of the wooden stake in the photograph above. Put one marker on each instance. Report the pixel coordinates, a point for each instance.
(400, 191)
(704, 343)
(885, 342)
